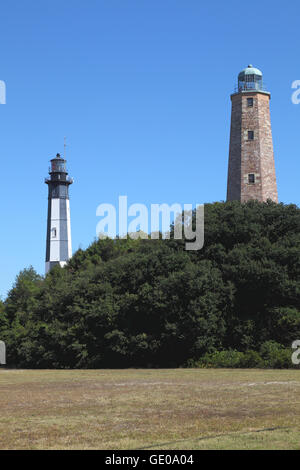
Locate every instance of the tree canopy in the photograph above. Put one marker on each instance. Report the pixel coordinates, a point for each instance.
(151, 303)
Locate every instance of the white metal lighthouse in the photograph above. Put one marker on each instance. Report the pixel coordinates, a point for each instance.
(59, 244)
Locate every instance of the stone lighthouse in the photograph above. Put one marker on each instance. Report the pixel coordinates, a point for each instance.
(251, 169)
(59, 245)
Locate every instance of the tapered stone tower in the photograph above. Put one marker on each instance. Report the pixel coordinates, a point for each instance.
(59, 245)
(251, 170)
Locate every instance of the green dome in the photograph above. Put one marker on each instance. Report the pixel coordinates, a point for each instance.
(250, 70)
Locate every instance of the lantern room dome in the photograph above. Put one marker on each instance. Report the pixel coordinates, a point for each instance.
(58, 165)
(250, 79)
(250, 70)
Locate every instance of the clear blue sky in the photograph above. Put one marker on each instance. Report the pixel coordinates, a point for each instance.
(141, 89)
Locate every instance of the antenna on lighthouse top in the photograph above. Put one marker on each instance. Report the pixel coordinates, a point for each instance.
(65, 145)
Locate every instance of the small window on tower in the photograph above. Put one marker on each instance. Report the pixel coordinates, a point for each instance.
(251, 178)
(250, 135)
(250, 102)
(53, 233)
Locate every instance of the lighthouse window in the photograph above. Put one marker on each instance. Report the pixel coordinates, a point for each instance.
(250, 102)
(53, 233)
(251, 178)
(250, 135)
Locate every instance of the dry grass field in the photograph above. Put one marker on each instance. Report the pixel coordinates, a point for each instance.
(150, 409)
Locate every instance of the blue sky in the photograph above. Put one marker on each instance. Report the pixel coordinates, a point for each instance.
(141, 89)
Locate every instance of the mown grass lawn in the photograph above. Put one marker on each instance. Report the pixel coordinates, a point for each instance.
(150, 409)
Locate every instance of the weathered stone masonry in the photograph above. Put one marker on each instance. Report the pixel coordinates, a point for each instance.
(251, 169)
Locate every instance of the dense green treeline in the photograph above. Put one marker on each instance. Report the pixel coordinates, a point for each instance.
(151, 303)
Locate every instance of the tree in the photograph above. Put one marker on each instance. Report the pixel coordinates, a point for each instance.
(144, 302)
